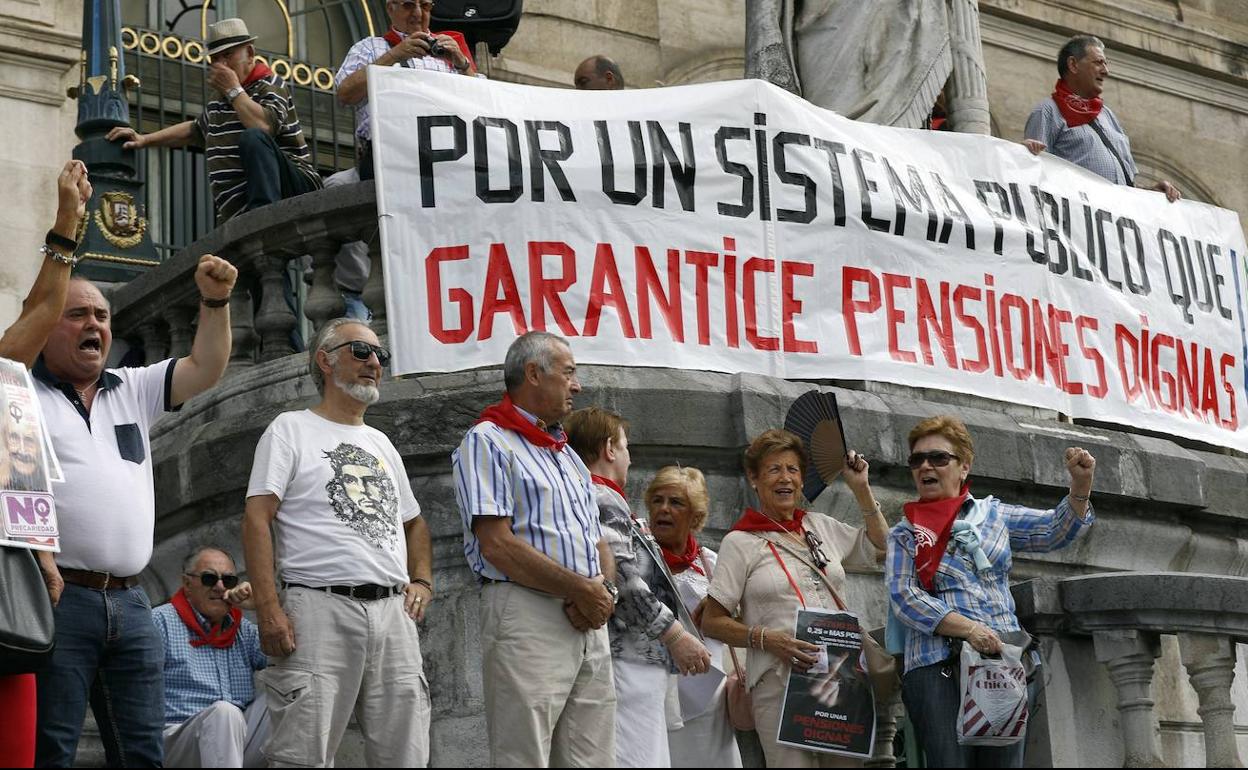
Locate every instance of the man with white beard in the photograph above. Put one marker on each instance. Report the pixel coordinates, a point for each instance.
(354, 564)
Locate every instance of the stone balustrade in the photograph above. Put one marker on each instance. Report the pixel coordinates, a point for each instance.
(158, 310)
(1126, 615)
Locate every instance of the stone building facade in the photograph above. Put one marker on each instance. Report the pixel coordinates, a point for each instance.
(1179, 82)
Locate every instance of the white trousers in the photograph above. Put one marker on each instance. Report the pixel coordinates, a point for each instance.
(222, 735)
(549, 698)
(350, 657)
(640, 714)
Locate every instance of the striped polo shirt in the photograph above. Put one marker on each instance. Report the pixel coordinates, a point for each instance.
(547, 494)
(218, 130)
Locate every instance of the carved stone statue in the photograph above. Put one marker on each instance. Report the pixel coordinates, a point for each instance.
(883, 61)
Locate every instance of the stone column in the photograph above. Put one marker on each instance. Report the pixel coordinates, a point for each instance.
(242, 325)
(1128, 655)
(886, 718)
(966, 100)
(324, 300)
(274, 320)
(155, 341)
(1210, 662)
(181, 329)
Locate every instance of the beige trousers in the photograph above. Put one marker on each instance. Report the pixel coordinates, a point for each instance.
(549, 697)
(350, 657)
(222, 735)
(767, 698)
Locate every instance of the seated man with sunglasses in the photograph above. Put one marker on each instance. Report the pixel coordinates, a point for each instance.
(354, 562)
(212, 715)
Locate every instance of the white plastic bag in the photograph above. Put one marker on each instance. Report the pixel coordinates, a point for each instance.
(994, 698)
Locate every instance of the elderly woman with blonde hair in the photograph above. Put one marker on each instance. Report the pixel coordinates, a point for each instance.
(677, 502)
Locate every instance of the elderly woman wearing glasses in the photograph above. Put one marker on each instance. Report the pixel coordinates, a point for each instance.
(764, 586)
(948, 577)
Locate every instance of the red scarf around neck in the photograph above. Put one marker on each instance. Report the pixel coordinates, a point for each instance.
(504, 414)
(220, 637)
(260, 70)
(394, 37)
(1076, 110)
(754, 521)
(678, 563)
(933, 524)
(608, 483)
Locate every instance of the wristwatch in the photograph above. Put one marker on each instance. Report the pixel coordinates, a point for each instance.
(233, 93)
(611, 589)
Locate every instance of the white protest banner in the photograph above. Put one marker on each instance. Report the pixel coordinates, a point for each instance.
(734, 227)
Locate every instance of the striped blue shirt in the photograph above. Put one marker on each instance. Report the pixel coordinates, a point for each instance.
(197, 677)
(957, 586)
(547, 494)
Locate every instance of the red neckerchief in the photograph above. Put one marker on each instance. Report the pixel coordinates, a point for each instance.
(608, 483)
(394, 37)
(933, 524)
(753, 521)
(260, 70)
(1075, 109)
(220, 637)
(505, 415)
(678, 563)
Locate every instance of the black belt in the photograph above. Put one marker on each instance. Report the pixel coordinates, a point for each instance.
(368, 592)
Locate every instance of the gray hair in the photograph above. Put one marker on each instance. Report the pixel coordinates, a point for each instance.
(531, 347)
(1077, 47)
(192, 558)
(326, 337)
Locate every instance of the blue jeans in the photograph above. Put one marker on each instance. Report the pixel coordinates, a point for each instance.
(933, 702)
(271, 174)
(356, 309)
(108, 653)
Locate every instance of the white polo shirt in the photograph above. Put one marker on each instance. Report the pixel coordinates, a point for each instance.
(106, 507)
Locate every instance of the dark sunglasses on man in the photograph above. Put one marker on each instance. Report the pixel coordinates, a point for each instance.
(209, 579)
(361, 350)
(937, 459)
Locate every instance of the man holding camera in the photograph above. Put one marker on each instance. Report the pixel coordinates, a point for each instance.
(408, 43)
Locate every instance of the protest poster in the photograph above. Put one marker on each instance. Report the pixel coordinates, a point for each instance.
(734, 227)
(27, 465)
(831, 706)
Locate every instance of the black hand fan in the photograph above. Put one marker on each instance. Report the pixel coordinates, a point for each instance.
(815, 418)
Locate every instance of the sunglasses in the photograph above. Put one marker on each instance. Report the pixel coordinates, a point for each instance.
(815, 544)
(938, 459)
(209, 579)
(361, 350)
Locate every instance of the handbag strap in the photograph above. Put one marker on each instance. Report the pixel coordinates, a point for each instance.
(1105, 140)
(787, 574)
(836, 596)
